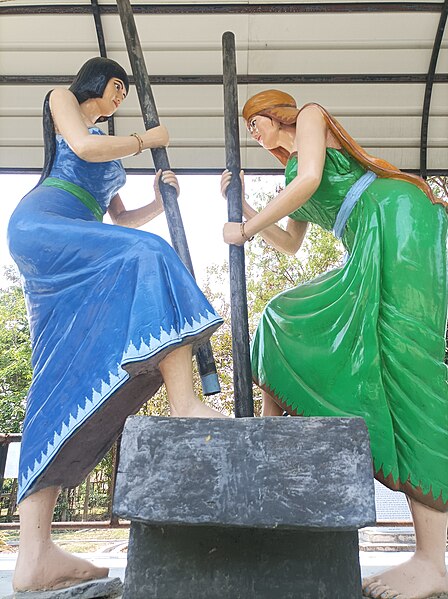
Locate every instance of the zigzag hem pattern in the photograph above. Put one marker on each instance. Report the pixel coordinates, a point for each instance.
(132, 354)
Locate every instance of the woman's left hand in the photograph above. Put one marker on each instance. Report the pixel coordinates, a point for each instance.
(232, 234)
(167, 177)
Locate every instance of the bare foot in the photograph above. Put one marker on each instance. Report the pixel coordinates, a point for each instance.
(195, 408)
(417, 578)
(53, 569)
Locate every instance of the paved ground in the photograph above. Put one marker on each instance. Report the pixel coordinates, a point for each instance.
(389, 505)
(117, 565)
(370, 562)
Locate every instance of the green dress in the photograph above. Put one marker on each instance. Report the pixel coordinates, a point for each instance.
(368, 339)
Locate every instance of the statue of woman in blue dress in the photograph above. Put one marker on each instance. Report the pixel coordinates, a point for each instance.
(113, 312)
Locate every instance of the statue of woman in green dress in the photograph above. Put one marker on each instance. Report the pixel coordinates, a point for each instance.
(366, 339)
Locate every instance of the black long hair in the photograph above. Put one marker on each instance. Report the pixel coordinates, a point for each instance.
(90, 82)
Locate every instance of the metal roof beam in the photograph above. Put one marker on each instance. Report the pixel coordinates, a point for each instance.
(103, 51)
(99, 27)
(243, 79)
(271, 8)
(7, 170)
(431, 77)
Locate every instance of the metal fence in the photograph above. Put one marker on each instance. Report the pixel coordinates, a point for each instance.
(87, 506)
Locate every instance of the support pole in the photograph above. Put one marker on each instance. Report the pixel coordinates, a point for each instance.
(206, 363)
(103, 51)
(242, 377)
(428, 90)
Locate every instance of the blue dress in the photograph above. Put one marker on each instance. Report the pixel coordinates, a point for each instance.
(105, 305)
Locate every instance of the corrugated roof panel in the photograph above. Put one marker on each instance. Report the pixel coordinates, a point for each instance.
(385, 117)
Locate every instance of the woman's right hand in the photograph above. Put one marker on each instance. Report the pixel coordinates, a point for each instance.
(169, 178)
(156, 137)
(225, 182)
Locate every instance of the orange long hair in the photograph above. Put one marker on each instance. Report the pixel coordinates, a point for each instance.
(282, 107)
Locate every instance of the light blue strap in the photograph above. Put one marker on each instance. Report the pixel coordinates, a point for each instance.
(353, 195)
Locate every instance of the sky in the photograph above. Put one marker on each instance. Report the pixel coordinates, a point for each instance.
(202, 207)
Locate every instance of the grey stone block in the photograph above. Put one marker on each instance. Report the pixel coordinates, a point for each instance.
(302, 473)
(244, 509)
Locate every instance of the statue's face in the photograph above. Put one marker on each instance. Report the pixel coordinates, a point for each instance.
(113, 95)
(264, 130)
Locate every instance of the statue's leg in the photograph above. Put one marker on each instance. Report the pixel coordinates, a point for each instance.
(425, 574)
(270, 407)
(177, 375)
(41, 564)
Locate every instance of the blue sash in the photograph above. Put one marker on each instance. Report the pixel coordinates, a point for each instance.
(353, 195)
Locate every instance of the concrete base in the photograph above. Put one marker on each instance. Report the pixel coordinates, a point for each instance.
(208, 562)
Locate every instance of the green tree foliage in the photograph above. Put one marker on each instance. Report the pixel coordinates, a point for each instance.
(217, 291)
(157, 405)
(15, 355)
(439, 186)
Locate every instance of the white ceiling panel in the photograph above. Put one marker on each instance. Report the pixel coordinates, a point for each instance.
(385, 117)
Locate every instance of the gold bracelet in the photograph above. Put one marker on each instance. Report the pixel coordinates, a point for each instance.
(140, 143)
(243, 234)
